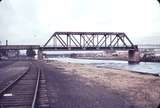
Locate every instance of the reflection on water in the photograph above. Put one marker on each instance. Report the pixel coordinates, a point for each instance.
(141, 67)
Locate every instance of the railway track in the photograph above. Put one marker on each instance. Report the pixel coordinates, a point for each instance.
(23, 91)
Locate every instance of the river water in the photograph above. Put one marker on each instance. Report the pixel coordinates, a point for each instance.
(144, 67)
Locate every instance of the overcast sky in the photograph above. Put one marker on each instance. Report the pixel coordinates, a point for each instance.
(34, 21)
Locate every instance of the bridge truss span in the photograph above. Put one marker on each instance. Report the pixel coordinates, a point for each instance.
(88, 41)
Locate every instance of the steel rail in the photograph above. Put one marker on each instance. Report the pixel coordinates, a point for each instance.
(33, 105)
(36, 90)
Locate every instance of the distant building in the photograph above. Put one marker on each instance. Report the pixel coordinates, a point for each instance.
(12, 53)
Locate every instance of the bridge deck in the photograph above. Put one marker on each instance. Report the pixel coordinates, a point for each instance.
(83, 49)
(18, 47)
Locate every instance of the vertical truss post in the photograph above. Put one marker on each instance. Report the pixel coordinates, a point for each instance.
(80, 41)
(67, 40)
(105, 41)
(84, 43)
(110, 38)
(93, 40)
(97, 41)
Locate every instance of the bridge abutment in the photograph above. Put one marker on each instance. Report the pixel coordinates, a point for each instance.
(133, 56)
(40, 55)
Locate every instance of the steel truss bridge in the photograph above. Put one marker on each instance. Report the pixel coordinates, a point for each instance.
(67, 41)
(88, 41)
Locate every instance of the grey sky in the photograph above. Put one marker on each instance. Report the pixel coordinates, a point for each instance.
(34, 21)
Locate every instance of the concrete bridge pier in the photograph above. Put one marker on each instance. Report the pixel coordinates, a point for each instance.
(40, 55)
(133, 56)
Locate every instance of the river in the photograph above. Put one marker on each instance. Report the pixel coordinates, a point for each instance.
(144, 67)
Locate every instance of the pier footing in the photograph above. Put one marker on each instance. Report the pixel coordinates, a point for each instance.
(133, 56)
(40, 55)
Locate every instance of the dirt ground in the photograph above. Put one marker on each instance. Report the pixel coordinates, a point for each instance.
(143, 91)
(72, 91)
(10, 69)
